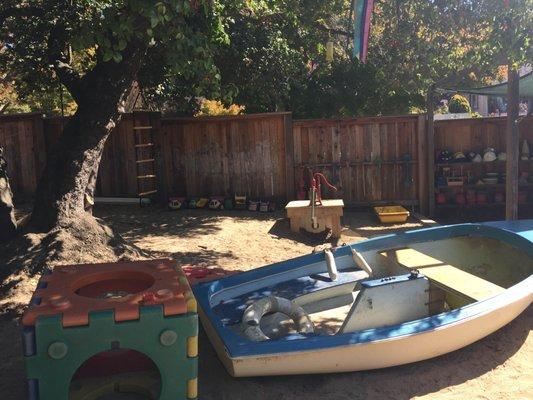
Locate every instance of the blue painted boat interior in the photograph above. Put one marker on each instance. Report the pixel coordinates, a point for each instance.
(230, 311)
(224, 301)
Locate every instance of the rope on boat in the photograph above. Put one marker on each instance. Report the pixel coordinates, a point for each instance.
(272, 304)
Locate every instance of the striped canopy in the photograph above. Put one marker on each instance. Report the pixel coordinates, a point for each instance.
(500, 89)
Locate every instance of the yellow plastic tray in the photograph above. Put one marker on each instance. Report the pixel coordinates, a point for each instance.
(390, 214)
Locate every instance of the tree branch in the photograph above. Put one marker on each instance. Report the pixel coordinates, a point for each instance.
(319, 26)
(333, 31)
(61, 63)
(28, 11)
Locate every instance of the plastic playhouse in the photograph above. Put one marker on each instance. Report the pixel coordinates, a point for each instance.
(102, 331)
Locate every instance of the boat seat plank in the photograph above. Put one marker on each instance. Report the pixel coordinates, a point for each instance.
(446, 276)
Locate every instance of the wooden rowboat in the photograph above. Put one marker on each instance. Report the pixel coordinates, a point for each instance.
(382, 302)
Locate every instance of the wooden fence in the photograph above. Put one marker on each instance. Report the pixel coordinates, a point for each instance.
(477, 134)
(243, 155)
(372, 160)
(23, 140)
(196, 156)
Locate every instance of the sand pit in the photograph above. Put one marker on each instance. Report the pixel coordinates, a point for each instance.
(497, 367)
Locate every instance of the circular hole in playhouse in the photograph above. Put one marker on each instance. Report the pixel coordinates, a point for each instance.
(117, 374)
(112, 286)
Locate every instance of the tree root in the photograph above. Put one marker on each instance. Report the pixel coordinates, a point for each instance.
(84, 239)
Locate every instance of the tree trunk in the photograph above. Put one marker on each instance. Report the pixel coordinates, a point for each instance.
(69, 178)
(8, 224)
(71, 163)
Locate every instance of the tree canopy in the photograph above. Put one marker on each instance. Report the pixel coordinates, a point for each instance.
(275, 59)
(51, 42)
(265, 55)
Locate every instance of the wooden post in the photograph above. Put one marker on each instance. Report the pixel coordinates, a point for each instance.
(289, 157)
(512, 144)
(422, 165)
(430, 142)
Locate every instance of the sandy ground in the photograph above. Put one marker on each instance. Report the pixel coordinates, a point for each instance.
(497, 367)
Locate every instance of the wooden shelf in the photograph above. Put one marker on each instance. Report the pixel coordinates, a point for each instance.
(484, 186)
(453, 205)
(483, 163)
(356, 163)
(487, 205)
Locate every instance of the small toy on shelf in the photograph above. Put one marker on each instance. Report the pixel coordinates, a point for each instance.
(228, 203)
(491, 178)
(216, 203)
(176, 203)
(459, 157)
(460, 198)
(263, 206)
(202, 202)
(240, 202)
(481, 198)
(455, 181)
(489, 155)
(444, 156)
(470, 197)
(525, 150)
(253, 205)
(523, 179)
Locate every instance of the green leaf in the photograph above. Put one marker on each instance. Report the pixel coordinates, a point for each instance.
(107, 56)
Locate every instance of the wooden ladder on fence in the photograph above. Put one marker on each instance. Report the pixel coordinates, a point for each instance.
(143, 132)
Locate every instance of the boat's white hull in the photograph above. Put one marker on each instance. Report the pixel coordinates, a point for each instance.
(377, 354)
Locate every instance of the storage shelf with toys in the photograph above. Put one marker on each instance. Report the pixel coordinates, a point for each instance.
(480, 164)
(478, 180)
(486, 205)
(484, 186)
